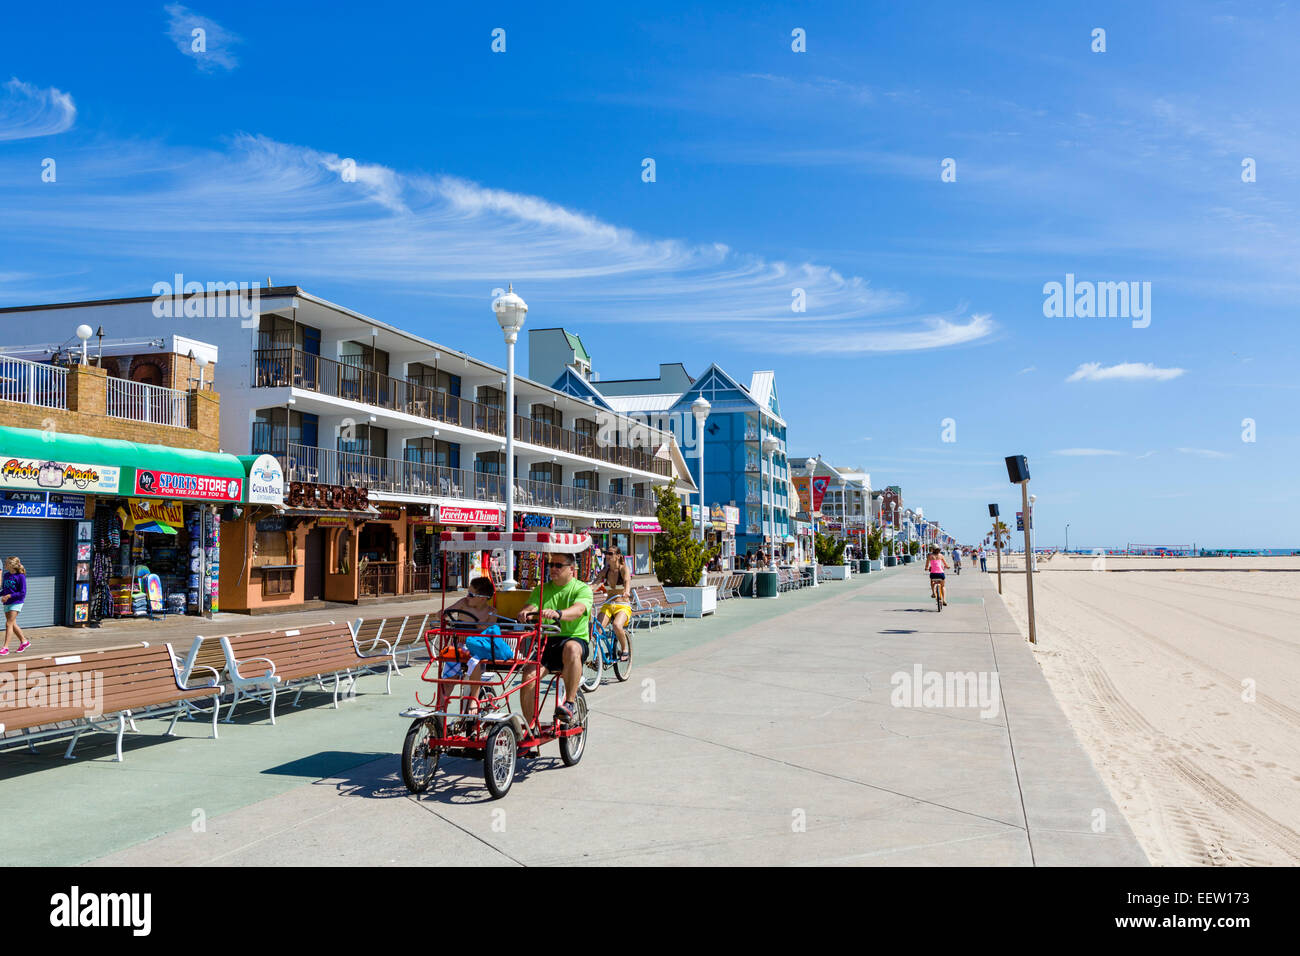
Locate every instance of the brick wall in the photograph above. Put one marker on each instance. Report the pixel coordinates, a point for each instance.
(85, 415)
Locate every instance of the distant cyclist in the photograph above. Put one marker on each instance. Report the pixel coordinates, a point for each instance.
(936, 565)
(956, 562)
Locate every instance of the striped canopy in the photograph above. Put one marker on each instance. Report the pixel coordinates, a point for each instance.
(550, 542)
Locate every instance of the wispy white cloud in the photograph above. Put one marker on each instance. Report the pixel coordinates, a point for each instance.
(28, 111)
(1125, 371)
(214, 44)
(1086, 451)
(312, 214)
(1204, 452)
(1032, 368)
(934, 333)
(1147, 455)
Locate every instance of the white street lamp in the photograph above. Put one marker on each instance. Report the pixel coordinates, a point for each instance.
(700, 409)
(510, 312)
(811, 465)
(84, 332)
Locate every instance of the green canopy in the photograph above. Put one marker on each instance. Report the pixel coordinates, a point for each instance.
(24, 450)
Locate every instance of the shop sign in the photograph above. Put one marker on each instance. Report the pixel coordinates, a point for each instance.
(454, 514)
(646, 527)
(563, 524)
(273, 523)
(265, 482)
(168, 512)
(531, 522)
(331, 521)
(39, 504)
(422, 521)
(173, 484)
(303, 494)
(731, 514)
(389, 513)
(50, 475)
(607, 524)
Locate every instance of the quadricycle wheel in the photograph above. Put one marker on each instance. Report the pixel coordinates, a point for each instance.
(500, 754)
(419, 757)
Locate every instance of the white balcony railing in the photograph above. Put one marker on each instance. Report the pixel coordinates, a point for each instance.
(153, 404)
(31, 383)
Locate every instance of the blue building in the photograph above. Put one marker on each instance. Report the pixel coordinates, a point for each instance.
(737, 468)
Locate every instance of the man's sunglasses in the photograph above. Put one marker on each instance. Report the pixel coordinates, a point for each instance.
(556, 564)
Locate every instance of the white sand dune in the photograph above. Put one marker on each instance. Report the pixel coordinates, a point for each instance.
(1156, 671)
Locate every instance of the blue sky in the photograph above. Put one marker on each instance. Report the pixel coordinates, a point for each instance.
(775, 170)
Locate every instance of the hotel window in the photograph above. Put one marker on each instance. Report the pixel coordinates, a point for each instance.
(585, 479)
(430, 451)
(548, 472)
(616, 486)
(491, 396)
(269, 430)
(366, 440)
(427, 376)
(490, 462)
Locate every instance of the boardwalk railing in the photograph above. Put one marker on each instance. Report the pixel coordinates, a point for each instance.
(32, 383)
(152, 404)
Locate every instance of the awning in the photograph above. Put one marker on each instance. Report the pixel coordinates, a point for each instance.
(82, 464)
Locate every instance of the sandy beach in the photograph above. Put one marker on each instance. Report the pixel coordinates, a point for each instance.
(1156, 669)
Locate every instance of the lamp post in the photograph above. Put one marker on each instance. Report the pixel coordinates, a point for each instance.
(84, 332)
(700, 409)
(510, 312)
(770, 445)
(811, 465)
(1067, 539)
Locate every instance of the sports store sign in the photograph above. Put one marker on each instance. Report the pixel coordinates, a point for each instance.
(49, 475)
(170, 484)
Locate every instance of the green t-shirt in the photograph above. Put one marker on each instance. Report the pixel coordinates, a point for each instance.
(559, 599)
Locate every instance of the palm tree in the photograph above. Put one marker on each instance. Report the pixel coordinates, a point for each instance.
(1001, 534)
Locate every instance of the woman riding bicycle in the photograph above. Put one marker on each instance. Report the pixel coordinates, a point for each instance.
(936, 565)
(616, 581)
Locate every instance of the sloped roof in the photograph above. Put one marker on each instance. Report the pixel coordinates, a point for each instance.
(640, 403)
(760, 387)
(575, 343)
(571, 383)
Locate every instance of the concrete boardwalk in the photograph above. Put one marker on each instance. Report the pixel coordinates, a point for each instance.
(763, 736)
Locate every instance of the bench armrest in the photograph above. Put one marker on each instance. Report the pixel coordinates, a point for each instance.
(215, 682)
(366, 653)
(239, 666)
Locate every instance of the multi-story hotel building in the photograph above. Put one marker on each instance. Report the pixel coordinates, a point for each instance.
(385, 437)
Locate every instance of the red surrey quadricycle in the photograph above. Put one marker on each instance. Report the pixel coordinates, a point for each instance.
(479, 706)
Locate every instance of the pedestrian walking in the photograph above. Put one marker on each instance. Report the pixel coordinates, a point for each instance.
(13, 592)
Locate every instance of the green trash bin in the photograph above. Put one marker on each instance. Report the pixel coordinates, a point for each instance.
(747, 584)
(890, 560)
(765, 583)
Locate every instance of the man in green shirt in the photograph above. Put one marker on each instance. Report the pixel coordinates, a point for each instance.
(567, 601)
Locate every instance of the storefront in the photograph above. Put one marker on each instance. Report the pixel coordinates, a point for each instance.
(133, 527)
(295, 546)
(426, 524)
(42, 529)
